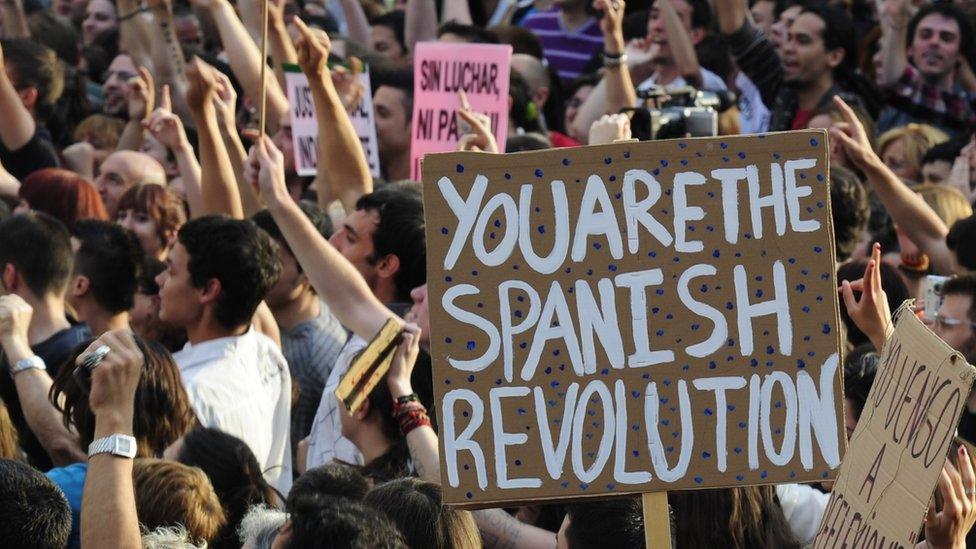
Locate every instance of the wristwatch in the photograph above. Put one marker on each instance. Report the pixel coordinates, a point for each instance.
(117, 445)
(30, 363)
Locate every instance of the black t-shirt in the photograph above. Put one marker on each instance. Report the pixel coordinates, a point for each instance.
(54, 351)
(36, 154)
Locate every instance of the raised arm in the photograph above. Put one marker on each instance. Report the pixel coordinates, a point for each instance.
(616, 90)
(167, 128)
(245, 60)
(357, 25)
(420, 20)
(731, 15)
(225, 102)
(753, 52)
(279, 41)
(342, 166)
(682, 49)
(140, 98)
(18, 125)
(14, 19)
(893, 16)
(34, 384)
(457, 11)
(919, 222)
(108, 484)
(167, 55)
(498, 528)
(334, 278)
(870, 313)
(218, 184)
(135, 32)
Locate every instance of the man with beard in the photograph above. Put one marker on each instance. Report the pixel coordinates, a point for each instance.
(803, 76)
(116, 85)
(924, 75)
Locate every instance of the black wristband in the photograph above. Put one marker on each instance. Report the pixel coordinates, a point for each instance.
(608, 55)
(412, 397)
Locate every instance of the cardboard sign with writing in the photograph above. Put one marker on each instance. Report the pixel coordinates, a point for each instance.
(441, 70)
(304, 125)
(634, 317)
(900, 443)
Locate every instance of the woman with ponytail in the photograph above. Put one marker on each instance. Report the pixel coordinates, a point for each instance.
(234, 472)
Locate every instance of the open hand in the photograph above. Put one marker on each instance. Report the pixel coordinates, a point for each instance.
(947, 528)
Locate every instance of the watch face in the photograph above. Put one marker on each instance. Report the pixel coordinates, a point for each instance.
(124, 445)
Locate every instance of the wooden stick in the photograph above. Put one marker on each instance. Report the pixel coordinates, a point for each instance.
(262, 117)
(657, 520)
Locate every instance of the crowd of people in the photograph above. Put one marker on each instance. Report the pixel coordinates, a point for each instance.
(178, 304)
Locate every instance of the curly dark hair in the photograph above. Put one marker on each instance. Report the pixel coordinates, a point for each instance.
(849, 209)
(236, 253)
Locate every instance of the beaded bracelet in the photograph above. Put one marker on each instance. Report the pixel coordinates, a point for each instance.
(406, 407)
(411, 421)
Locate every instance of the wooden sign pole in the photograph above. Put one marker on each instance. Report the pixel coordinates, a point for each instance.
(657, 520)
(262, 117)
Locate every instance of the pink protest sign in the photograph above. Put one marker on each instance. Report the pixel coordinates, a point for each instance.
(441, 70)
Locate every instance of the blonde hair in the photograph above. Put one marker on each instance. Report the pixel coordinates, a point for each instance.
(919, 138)
(948, 203)
(170, 494)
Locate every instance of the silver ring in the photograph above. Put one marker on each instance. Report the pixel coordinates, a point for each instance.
(95, 357)
(970, 492)
(615, 4)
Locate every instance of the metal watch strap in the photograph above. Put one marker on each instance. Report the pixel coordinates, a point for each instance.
(117, 445)
(30, 363)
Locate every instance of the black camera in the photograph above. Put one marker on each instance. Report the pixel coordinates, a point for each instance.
(670, 113)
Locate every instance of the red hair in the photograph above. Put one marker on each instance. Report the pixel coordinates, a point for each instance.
(63, 194)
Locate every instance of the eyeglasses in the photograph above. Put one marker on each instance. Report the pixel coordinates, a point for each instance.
(945, 322)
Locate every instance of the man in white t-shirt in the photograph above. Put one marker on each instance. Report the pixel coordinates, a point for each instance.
(237, 380)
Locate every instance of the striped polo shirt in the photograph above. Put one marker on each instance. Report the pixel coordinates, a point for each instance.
(567, 51)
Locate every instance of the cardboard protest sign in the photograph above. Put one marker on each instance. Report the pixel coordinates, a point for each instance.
(440, 71)
(900, 443)
(634, 317)
(369, 367)
(304, 125)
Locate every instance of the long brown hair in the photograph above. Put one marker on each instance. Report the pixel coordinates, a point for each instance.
(9, 448)
(162, 408)
(744, 518)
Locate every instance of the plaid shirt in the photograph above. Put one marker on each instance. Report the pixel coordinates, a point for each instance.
(949, 108)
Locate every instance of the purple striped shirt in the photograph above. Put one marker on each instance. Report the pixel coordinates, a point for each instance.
(567, 51)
